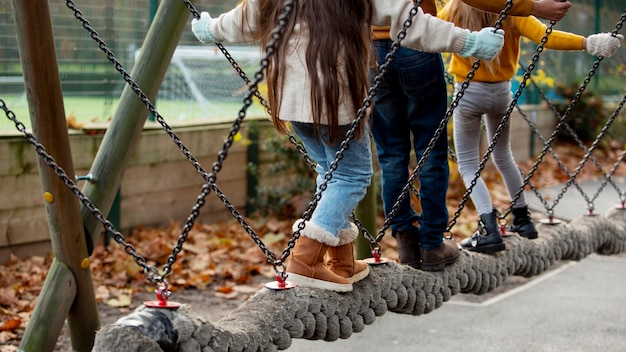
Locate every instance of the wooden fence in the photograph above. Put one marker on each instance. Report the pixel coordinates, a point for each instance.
(160, 185)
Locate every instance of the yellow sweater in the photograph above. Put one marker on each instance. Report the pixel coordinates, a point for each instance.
(528, 27)
(519, 8)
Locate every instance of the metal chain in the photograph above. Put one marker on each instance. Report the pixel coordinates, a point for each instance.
(503, 124)
(442, 126)
(210, 178)
(564, 117)
(230, 59)
(585, 158)
(151, 272)
(276, 36)
(560, 163)
(607, 178)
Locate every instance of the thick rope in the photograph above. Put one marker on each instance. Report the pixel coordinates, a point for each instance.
(270, 319)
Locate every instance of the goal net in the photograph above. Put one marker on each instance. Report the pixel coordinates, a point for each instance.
(201, 83)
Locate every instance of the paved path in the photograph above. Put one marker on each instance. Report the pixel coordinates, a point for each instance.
(574, 306)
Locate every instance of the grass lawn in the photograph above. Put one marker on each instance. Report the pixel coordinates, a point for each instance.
(88, 109)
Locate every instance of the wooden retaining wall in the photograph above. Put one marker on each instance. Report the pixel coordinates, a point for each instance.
(159, 186)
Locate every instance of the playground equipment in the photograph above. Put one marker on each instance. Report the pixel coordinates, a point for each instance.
(258, 325)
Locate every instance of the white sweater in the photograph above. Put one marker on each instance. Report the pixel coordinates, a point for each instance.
(427, 33)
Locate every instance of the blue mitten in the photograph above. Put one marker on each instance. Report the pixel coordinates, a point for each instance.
(484, 44)
(603, 44)
(201, 29)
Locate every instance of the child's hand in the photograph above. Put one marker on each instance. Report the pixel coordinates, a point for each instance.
(201, 29)
(603, 44)
(484, 44)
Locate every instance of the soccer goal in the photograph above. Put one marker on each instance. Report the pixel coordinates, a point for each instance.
(201, 83)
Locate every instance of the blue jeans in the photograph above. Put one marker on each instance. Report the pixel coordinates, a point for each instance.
(349, 181)
(410, 103)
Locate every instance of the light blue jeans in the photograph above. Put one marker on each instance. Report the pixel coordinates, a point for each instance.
(491, 100)
(349, 181)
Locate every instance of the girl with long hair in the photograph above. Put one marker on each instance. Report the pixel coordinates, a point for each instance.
(489, 96)
(317, 80)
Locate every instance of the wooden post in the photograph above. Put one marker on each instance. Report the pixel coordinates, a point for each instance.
(49, 316)
(366, 212)
(47, 114)
(123, 133)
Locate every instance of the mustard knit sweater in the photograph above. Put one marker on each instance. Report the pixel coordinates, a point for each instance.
(519, 8)
(529, 27)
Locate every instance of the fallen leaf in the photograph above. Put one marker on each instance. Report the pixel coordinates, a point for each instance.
(121, 301)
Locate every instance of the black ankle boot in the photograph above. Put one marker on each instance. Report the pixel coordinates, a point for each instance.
(522, 223)
(488, 238)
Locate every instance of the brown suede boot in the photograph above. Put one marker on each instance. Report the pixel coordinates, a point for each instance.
(341, 259)
(436, 259)
(341, 262)
(306, 267)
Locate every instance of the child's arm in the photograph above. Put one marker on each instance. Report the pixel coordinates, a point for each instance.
(235, 26)
(431, 34)
(553, 10)
(601, 44)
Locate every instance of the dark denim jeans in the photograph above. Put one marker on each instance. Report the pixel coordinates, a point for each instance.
(410, 103)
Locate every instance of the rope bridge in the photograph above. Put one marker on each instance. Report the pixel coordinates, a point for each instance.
(269, 319)
(272, 317)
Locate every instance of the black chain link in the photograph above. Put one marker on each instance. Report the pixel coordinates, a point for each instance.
(151, 272)
(562, 122)
(382, 69)
(607, 177)
(217, 165)
(442, 127)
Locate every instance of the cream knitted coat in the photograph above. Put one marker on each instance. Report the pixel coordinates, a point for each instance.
(427, 33)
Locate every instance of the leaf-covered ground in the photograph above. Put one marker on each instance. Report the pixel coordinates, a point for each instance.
(219, 263)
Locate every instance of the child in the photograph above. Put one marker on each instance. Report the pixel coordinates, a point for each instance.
(489, 93)
(317, 80)
(408, 109)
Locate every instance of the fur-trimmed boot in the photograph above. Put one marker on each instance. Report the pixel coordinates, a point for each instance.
(522, 223)
(341, 259)
(306, 263)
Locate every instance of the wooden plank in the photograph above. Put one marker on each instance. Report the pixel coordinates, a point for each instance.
(26, 225)
(84, 149)
(20, 191)
(179, 174)
(163, 207)
(24, 251)
(156, 146)
(17, 157)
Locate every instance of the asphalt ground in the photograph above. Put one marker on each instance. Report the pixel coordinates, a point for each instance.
(573, 306)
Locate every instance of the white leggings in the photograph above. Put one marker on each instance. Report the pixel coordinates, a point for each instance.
(492, 101)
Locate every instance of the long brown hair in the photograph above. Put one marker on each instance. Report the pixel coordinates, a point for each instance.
(466, 16)
(339, 48)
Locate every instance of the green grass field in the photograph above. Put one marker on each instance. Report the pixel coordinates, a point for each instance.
(87, 109)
